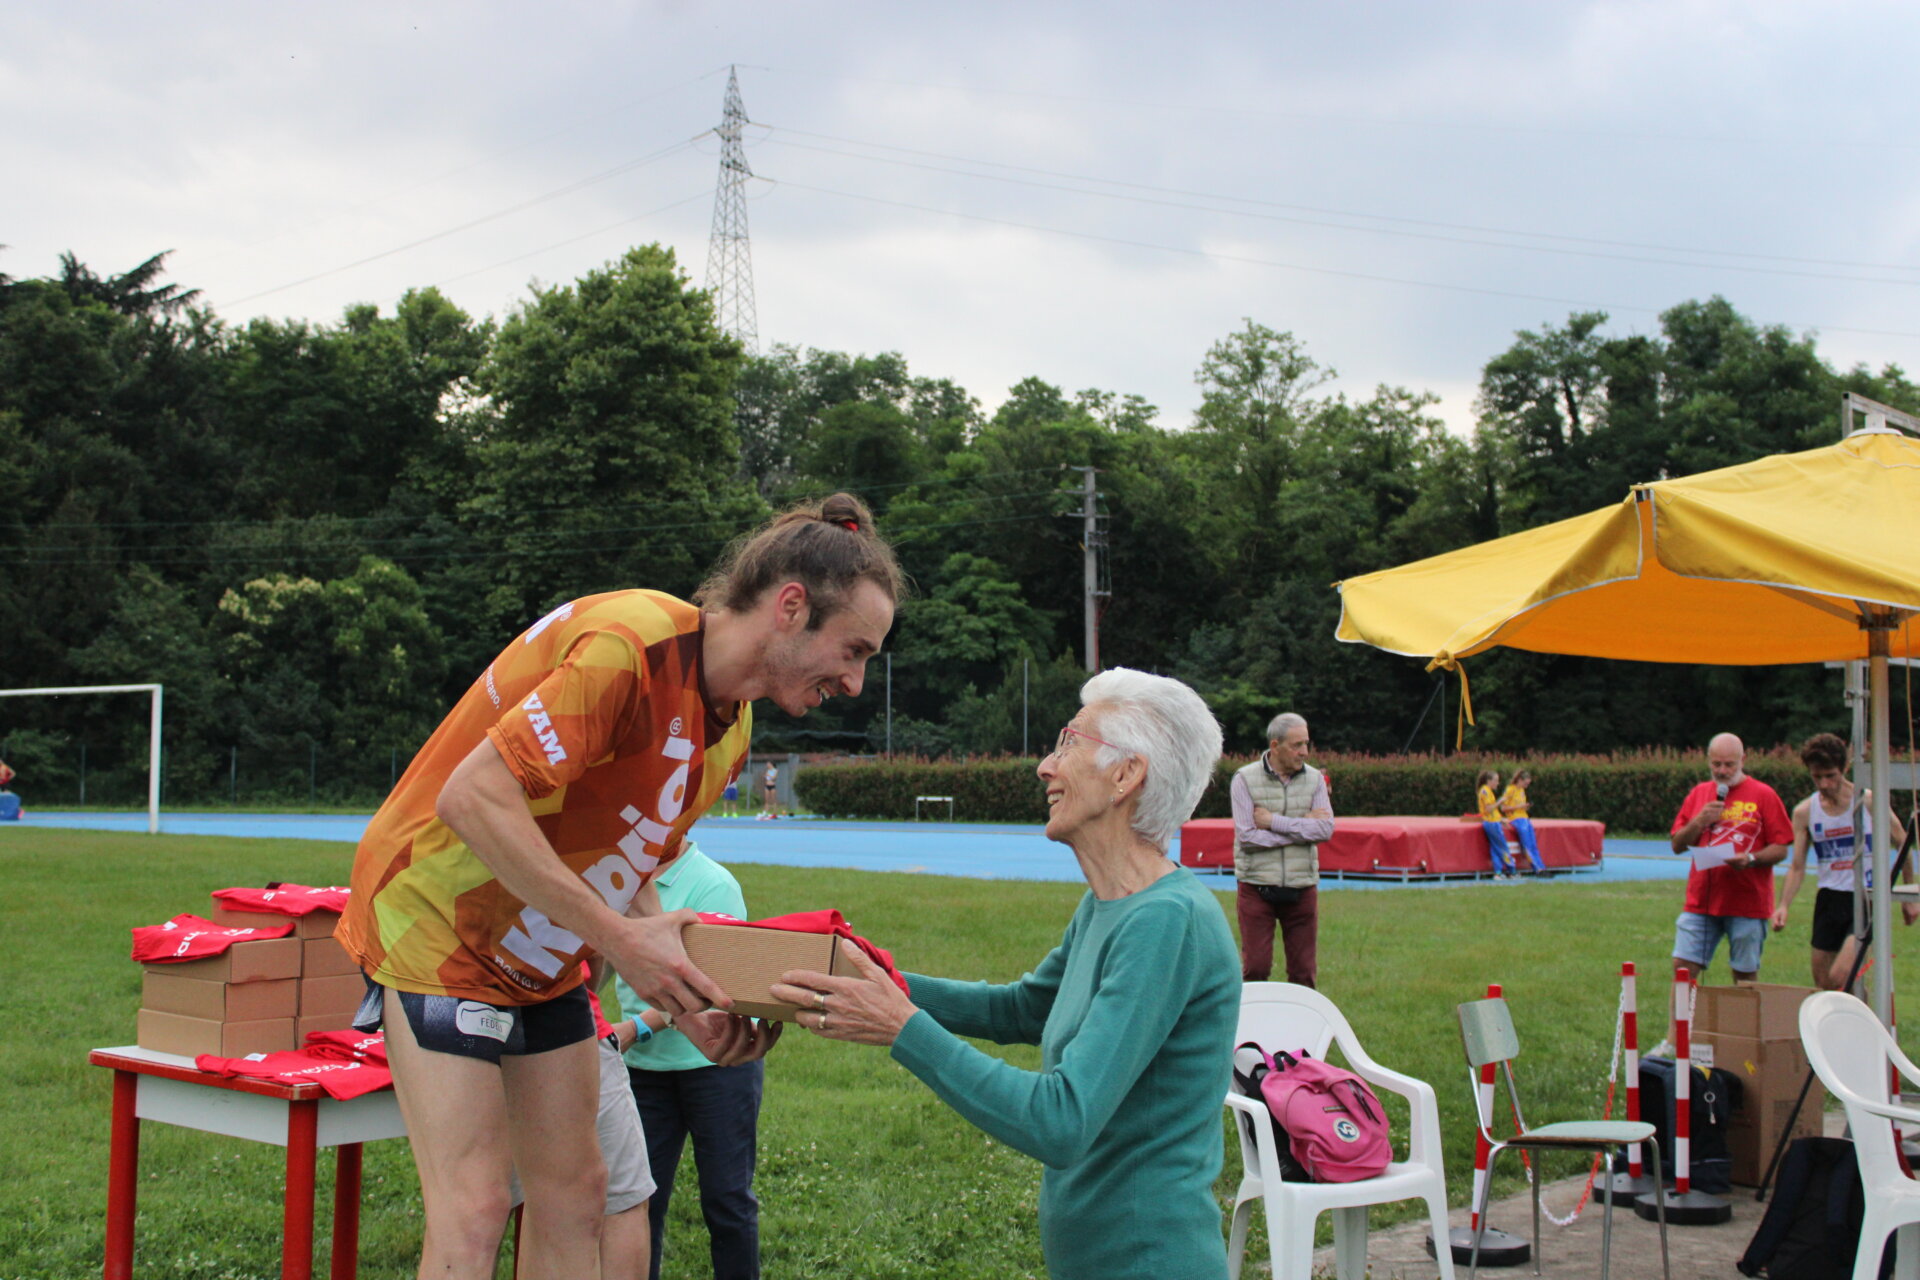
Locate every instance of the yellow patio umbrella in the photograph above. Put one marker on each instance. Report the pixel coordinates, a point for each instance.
(1802, 557)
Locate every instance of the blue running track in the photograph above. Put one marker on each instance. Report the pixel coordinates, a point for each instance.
(973, 850)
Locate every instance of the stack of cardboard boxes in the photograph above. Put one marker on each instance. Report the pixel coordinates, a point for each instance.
(260, 996)
(1752, 1030)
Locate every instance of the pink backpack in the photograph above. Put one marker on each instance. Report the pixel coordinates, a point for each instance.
(1335, 1126)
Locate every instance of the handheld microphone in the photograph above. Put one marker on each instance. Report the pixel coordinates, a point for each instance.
(1720, 791)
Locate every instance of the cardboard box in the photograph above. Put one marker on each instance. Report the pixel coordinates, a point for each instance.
(1771, 1073)
(259, 960)
(1750, 1147)
(340, 993)
(165, 992)
(324, 958)
(747, 962)
(174, 1033)
(1755, 1010)
(316, 924)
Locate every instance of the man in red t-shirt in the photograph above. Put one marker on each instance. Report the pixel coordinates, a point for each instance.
(1742, 830)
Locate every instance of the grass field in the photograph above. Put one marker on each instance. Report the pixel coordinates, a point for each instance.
(862, 1172)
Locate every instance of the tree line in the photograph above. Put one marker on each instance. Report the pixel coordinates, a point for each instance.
(317, 535)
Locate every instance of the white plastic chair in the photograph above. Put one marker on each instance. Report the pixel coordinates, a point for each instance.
(1280, 1016)
(1850, 1051)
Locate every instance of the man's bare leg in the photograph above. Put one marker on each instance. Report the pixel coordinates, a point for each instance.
(552, 1104)
(455, 1112)
(626, 1245)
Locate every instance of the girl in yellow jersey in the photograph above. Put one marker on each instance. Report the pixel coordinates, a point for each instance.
(1513, 807)
(1489, 784)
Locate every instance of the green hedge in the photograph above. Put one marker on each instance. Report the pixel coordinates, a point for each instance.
(1638, 791)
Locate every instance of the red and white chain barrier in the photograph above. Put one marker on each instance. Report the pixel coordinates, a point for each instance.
(1683, 998)
(1630, 1033)
(1483, 1103)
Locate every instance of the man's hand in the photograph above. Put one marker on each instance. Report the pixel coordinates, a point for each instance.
(1709, 814)
(727, 1039)
(1262, 816)
(648, 953)
(1780, 918)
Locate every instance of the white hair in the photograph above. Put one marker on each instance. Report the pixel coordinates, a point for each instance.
(1278, 726)
(1165, 722)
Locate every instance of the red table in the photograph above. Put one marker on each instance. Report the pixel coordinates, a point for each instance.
(167, 1088)
(1405, 848)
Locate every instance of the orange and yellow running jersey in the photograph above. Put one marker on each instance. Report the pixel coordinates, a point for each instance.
(1513, 802)
(599, 711)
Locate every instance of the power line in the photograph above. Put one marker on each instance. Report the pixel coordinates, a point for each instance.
(500, 514)
(497, 214)
(1284, 266)
(1435, 235)
(433, 556)
(561, 244)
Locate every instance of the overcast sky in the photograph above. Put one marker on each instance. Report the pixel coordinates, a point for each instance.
(1093, 194)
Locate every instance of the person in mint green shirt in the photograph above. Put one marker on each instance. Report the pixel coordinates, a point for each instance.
(1134, 1011)
(680, 1095)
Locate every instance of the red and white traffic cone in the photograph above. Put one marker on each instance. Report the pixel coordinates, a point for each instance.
(1497, 1248)
(1684, 1206)
(1625, 1188)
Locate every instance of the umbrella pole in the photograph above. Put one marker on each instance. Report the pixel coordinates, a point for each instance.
(1879, 637)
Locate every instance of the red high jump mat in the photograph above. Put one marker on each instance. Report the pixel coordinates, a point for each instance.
(1400, 848)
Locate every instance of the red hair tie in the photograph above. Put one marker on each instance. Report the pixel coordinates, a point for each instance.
(851, 526)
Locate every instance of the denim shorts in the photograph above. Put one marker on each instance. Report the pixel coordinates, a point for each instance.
(1697, 937)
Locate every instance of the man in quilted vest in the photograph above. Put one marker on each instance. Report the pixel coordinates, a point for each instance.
(1280, 815)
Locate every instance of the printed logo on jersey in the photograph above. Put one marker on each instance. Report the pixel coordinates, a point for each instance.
(561, 614)
(491, 691)
(542, 725)
(535, 939)
(471, 1018)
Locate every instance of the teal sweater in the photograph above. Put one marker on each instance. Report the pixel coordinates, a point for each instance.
(1135, 1013)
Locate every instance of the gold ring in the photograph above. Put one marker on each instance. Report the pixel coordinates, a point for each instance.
(820, 1000)
(823, 1022)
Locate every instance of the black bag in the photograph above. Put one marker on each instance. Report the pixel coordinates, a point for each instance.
(1711, 1098)
(1277, 895)
(1811, 1229)
(1248, 1083)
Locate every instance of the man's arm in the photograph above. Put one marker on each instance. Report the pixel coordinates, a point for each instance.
(1245, 828)
(1686, 835)
(1796, 873)
(1316, 826)
(483, 804)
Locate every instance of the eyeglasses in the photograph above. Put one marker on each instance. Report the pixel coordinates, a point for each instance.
(1068, 734)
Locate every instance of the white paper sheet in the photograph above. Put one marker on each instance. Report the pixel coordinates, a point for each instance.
(1713, 855)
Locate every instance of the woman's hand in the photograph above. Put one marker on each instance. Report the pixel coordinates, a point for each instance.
(865, 1008)
(727, 1039)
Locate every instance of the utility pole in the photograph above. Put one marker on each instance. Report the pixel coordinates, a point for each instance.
(1096, 587)
(729, 256)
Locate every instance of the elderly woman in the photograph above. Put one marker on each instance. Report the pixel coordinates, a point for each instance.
(1134, 1011)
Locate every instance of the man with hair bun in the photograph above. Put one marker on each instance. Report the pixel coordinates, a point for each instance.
(525, 837)
(1823, 825)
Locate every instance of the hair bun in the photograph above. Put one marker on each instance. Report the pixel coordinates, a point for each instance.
(848, 512)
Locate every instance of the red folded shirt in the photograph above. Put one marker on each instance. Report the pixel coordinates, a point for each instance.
(284, 899)
(817, 922)
(191, 937)
(336, 1071)
(367, 1046)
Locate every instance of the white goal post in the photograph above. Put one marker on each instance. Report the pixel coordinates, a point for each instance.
(153, 736)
